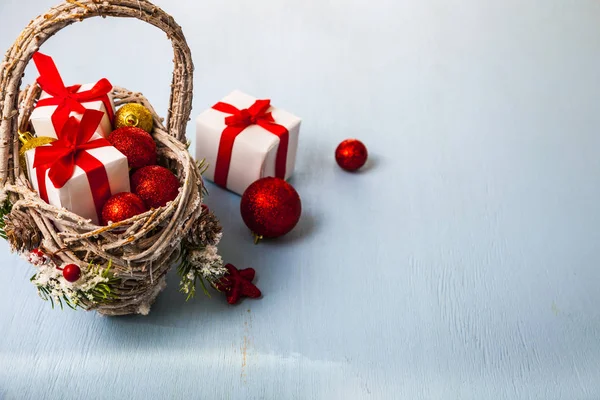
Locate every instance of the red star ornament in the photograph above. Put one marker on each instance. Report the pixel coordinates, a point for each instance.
(237, 284)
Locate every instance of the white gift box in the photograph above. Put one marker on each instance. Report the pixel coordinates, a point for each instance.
(76, 194)
(254, 150)
(42, 122)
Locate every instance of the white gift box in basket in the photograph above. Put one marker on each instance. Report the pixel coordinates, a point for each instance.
(52, 109)
(77, 195)
(41, 117)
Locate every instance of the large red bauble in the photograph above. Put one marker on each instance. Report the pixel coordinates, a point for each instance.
(155, 185)
(71, 272)
(122, 206)
(351, 154)
(136, 144)
(270, 207)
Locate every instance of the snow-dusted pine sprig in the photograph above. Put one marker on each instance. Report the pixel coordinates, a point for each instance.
(4, 211)
(202, 167)
(199, 265)
(94, 286)
(199, 260)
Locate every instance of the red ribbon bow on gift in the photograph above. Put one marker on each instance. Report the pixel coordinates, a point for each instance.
(67, 99)
(70, 150)
(256, 114)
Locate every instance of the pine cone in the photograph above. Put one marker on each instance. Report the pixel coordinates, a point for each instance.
(21, 231)
(206, 232)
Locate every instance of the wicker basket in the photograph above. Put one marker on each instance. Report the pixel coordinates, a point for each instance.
(143, 248)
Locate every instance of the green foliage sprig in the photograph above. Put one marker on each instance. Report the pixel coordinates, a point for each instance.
(189, 278)
(4, 211)
(95, 286)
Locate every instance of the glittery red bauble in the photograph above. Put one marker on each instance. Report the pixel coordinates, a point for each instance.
(270, 207)
(71, 272)
(122, 206)
(155, 185)
(136, 144)
(351, 154)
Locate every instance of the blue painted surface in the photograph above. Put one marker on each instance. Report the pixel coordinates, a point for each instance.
(461, 264)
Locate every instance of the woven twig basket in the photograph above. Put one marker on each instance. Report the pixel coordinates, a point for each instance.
(143, 248)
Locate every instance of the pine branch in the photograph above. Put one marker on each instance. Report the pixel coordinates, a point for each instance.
(4, 211)
(202, 167)
(79, 296)
(102, 292)
(189, 276)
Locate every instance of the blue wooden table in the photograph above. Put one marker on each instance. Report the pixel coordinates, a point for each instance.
(462, 263)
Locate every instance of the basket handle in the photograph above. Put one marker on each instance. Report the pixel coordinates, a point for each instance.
(43, 27)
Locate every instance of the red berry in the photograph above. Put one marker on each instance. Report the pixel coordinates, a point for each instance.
(37, 253)
(72, 272)
(37, 257)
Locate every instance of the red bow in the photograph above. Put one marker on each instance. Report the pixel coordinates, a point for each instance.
(67, 98)
(69, 151)
(239, 120)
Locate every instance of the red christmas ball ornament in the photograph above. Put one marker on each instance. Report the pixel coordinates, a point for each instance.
(71, 272)
(122, 206)
(351, 154)
(155, 185)
(270, 207)
(136, 144)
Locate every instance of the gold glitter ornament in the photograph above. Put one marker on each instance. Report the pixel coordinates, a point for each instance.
(133, 114)
(29, 142)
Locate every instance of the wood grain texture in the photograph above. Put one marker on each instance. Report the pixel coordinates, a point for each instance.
(462, 264)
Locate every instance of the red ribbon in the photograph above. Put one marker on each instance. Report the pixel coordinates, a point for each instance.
(67, 99)
(239, 120)
(70, 150)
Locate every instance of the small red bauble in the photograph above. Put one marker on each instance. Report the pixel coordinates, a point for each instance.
(122, 206)
(155, 185)
(71, 272)
(270, 207)
(351, 154)
(136, 144)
